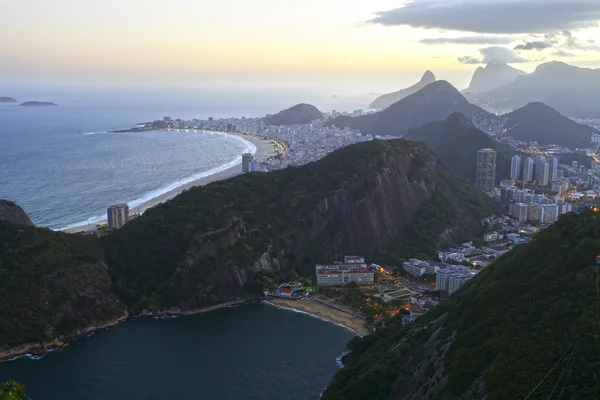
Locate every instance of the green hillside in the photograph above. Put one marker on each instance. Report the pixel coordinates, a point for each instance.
(527, 327)
(537, 121)
(456, 141)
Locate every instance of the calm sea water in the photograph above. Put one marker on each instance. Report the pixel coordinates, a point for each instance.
(251, 352)
(63, 169)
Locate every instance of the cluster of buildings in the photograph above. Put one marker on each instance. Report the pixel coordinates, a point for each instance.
(451, 278)
(249, 164)
(542, 170)
(352, 269)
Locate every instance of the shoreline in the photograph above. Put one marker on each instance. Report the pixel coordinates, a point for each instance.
(264, 150)
(58, 344)
(323, 312)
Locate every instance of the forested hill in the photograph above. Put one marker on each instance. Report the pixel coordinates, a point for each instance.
(212, 244)
(527, 327)
(200, 248)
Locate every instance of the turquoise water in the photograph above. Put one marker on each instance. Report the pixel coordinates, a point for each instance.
(248, 352)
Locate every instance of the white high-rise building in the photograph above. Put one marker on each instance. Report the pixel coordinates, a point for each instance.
(549, 213)
(527, 169)
(553, 161)
(117, 216)
(485, 173)
(519, 211)
(515, 167)
(542, 172)
(533, 212)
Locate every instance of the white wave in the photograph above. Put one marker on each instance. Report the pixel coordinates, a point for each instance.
(94, 133)
(250, 148)
(312, 315)
(338, 360)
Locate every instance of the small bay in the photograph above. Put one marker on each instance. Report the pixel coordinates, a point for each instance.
(253, 351)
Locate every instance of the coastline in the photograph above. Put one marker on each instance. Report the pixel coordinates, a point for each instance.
(42, 348)
(264, 150)
(323, 312)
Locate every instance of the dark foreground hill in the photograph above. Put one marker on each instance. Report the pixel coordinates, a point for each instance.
(537, 121)
(434, 102)
(388, 99)
(10, 211)
(299, 114)
(526, 327)
(207, 245)
(456, 141)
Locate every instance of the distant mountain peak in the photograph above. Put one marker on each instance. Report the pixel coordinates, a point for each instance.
(388, 99)
(428, 77)
(494, 75)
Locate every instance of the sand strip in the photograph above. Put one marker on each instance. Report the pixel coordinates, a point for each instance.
(322, 311)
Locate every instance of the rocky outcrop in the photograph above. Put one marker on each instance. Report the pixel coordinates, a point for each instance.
(299, 114)
(10, 211)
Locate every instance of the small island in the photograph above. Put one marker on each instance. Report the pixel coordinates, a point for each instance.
(37, 104)
(7, 100)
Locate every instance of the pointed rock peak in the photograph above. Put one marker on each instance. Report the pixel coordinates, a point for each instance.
(428, 76)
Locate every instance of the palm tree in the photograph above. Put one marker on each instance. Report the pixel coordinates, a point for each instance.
(12, 390)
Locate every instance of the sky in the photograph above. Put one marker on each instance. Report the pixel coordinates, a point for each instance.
(380, 44)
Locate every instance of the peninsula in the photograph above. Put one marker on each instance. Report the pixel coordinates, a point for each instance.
(7, 100)
(37, 104)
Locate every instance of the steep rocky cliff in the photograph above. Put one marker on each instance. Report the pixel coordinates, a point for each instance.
(9, 211)
(203, 246)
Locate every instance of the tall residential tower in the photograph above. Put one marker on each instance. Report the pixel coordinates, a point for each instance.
(485, 173)
(515, 167)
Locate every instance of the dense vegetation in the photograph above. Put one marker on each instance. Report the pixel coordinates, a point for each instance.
(434, 102)
(229, 225)
(537, 121)
(456, 141)
(50, 284)
(12, 390)
(380, 199)
(526, 327)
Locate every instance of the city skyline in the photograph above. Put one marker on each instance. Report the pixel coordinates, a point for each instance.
(383, 42)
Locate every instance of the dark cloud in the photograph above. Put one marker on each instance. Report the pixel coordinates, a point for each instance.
(469, 60)
(557, 40)
(494, 16)
(494, 53)
(537, 45)
(482, 39)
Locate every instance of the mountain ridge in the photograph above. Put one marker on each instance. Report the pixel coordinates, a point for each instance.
(388, 99)
(571, 90)
(492, 76)
(539, 122)
(211, 244)
(434, 102)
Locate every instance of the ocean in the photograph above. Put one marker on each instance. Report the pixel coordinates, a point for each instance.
(64, 168)
(250, 352)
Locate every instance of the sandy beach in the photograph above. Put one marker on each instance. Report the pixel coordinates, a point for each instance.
(264, 150)
(325, 312)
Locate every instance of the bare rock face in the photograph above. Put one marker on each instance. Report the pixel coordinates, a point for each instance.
(11, 212)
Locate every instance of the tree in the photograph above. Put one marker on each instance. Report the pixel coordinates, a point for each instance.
(12, 390)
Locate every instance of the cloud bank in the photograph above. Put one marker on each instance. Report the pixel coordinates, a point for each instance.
(494, 53)
(494, 16)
